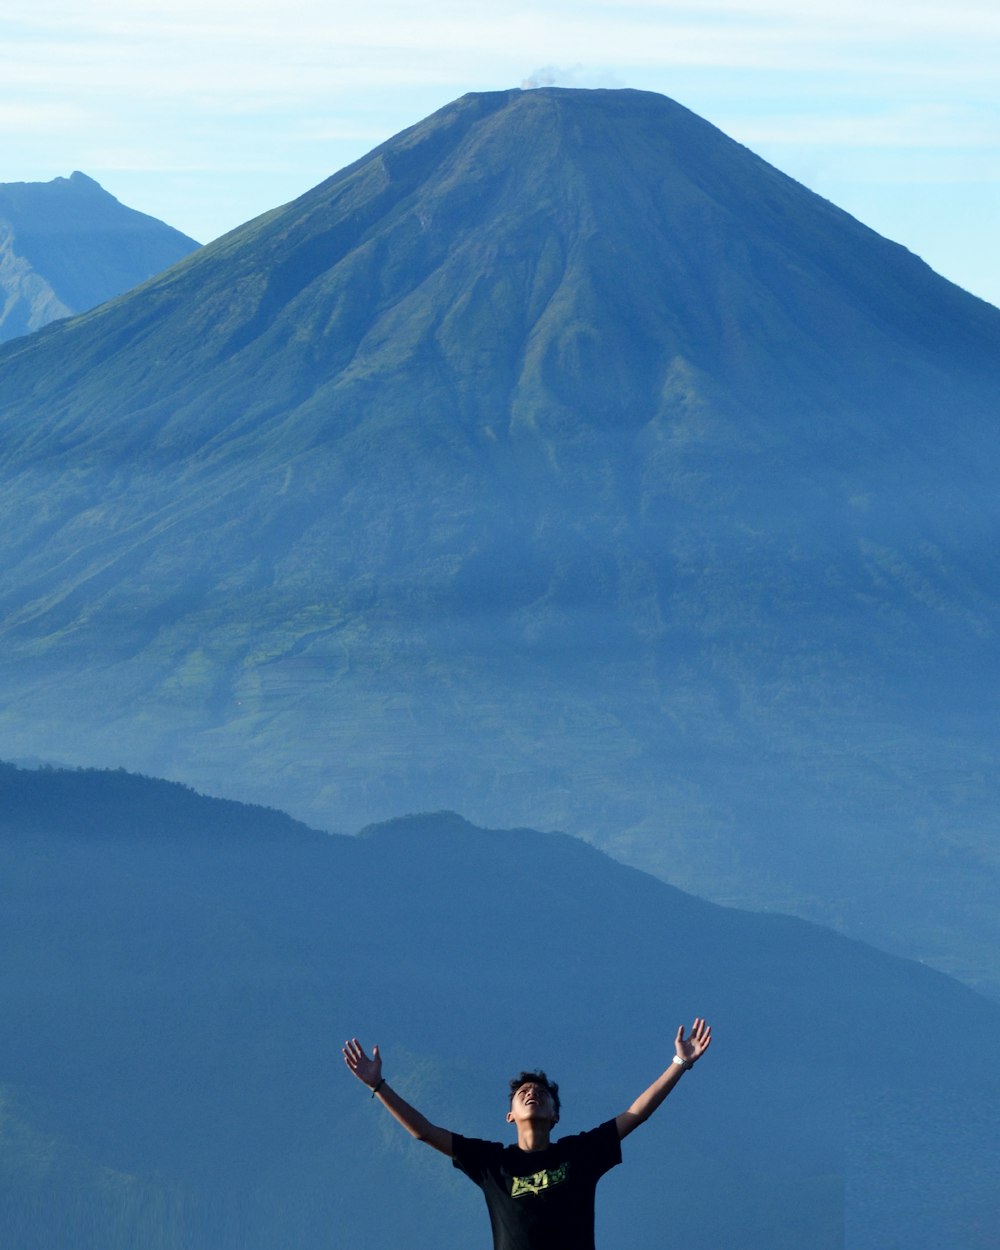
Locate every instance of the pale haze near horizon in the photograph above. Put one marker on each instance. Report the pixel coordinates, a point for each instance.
(205, 113)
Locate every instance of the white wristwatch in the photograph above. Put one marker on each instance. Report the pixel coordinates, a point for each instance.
(686, 1064)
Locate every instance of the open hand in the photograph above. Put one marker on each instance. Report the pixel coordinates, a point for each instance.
(365, 1069)
(692, 1048)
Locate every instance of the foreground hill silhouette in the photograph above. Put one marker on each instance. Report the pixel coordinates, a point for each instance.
(67, 245)
(179, 975)
(560, 461)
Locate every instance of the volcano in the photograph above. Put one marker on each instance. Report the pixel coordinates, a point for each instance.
(560, 462)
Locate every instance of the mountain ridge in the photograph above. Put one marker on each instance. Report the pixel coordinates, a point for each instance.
(180, 1083)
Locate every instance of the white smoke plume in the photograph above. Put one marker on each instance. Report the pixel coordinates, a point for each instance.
(568, 76)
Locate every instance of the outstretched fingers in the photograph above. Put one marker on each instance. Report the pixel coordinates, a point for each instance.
(354, 1054)
(701, 1034)
(364, 1068)
(694, 1047)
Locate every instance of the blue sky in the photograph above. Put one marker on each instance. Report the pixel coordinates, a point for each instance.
(208, 112)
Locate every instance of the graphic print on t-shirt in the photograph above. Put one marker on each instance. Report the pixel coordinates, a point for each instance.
(538, 1181)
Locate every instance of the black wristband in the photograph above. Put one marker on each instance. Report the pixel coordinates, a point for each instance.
(376, 1088)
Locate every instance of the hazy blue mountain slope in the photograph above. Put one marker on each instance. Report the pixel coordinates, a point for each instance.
(561, 461)
(180, 975)
(67, 245)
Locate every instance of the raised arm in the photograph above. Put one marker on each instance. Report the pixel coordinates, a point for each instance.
(369, 1071)
(687, 1052)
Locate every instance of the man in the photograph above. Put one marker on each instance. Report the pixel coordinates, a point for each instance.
(540, 1193)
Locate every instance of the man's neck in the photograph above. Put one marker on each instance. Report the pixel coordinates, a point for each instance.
(533, 1136)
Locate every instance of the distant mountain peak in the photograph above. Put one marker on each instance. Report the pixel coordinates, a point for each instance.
(82, 180)
(423, 824)
(68, 245)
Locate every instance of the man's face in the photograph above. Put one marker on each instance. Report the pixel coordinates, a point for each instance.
(532, 1102)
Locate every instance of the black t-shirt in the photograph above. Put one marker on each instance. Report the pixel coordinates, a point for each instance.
(541, 1199)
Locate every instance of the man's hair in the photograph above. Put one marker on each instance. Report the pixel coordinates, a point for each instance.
(536, 1078)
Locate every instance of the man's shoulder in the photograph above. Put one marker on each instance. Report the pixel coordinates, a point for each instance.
(608, 1129)
(479, 1142)
(467, 1148)
(600, 1146)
